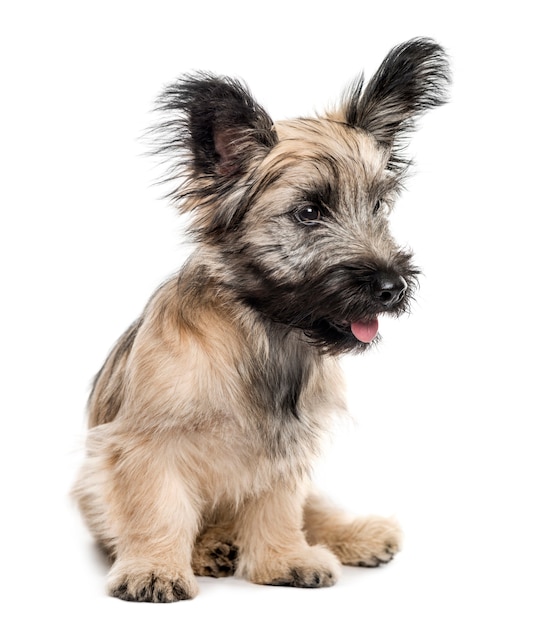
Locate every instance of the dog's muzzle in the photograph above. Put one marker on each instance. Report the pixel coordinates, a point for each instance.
(388, 289)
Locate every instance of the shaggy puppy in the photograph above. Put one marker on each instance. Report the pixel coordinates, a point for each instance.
(208, 413)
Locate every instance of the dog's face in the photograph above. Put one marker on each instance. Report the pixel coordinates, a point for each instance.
(298, 210)
(314, 251)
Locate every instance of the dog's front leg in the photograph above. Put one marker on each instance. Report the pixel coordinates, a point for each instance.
(156, 521)
(273, 549)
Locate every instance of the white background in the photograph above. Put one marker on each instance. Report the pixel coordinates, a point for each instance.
(455, 413)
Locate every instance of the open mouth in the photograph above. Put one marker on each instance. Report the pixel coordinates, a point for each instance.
(363, 330)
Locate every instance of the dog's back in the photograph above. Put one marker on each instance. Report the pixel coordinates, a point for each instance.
(108, 386)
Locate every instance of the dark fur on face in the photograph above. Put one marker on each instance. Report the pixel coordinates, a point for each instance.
(325, 305)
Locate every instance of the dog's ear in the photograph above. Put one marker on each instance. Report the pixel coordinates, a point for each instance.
(215, 130)
(412, 78)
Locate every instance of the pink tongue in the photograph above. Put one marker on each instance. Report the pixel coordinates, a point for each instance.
(365, 331)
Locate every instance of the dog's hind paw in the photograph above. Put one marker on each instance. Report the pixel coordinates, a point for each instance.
(216, 559)
(367, 542)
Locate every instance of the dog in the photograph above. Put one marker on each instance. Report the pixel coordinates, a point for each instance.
(208, 413)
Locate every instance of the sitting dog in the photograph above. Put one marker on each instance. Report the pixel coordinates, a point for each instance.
(209, 411)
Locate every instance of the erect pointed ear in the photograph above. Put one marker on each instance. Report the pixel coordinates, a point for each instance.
(217, 123)
(412, 78)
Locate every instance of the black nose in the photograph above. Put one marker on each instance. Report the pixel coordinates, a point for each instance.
(389, 289)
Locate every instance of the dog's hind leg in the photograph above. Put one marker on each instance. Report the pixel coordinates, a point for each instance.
(364, 541)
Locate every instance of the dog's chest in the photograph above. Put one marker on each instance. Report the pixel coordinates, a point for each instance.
(281, 380)
(290, 397)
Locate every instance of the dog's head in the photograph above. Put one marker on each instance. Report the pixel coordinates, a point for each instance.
(297, 211)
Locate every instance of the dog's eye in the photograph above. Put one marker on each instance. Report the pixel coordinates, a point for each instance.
(377, 206)
(308, 214)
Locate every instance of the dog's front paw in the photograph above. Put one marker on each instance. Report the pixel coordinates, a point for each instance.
(368, 542)
(150, 584)
(308, 577)
(312, 567)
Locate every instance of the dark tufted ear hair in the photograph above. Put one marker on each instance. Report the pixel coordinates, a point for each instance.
(218, 120)
(413, 78)
(214, 130)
